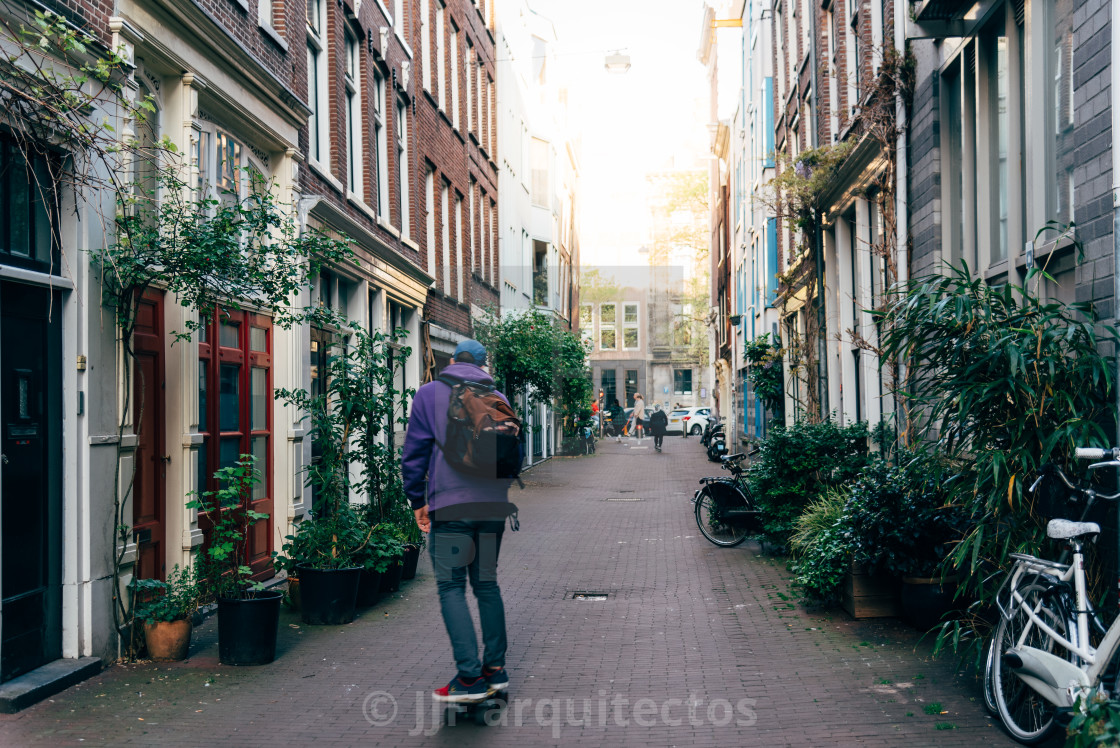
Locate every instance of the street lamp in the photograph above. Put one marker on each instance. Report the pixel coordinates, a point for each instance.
(617, 62)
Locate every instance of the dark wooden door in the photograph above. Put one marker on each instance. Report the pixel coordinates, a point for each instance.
(30, 482)
(151, 448)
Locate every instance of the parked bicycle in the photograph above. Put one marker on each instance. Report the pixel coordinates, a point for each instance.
(1041, 658)
(725, 511)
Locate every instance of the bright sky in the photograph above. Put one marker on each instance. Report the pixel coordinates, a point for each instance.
(633, 123)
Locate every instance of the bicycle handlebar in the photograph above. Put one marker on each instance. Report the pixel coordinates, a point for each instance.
(1094, 453)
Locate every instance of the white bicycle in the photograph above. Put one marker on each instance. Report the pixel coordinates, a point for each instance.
(1041, 658)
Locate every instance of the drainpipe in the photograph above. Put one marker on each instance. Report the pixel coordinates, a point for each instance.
(902, 195)
(818, 247)
(1116, 195)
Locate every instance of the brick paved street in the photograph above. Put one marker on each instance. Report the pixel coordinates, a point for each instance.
(685, 622)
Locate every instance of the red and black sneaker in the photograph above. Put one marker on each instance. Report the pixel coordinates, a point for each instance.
(496, 678)
(460, 690)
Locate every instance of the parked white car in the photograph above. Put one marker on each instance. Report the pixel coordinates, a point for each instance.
(691, 419)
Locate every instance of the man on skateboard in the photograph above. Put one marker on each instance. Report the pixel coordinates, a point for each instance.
(465, 515)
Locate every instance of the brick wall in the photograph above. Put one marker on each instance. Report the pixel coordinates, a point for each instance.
(924, 154)
(1093, 99)
(459, 157)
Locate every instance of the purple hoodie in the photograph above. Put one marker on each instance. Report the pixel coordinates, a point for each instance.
(428, 479)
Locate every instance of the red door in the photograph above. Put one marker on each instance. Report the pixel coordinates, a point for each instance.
(148, 485)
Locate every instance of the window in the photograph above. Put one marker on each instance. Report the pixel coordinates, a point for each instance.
(538, 159)
(235, 412)
(1060, 151)
(380, 147)
(854, 56)
(608, 319)
(630, 327)
(631, 386)
(426, 42)
(473, 248)
(460, 266)
(445, 227)
(454, 74)
(27, 207)
(682, 381)
(402, 168)
(586, 324)
(317, 122)
(430, 218)
(228, 175)
(354, 116)
(540, 273)
(469, 70)
(441, 64)
(398, 17)
(609, 387)
(779, 35)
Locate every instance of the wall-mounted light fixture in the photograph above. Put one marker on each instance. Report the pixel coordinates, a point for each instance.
(617, 62)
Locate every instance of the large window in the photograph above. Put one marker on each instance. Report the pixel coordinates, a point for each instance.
(354, 151)
(586, 324)
(441, 63)
(454, 75)
(631, 386)
(426, 42)
(460, 265)
(402, 167)
(430, 218)
(235, 412)
(630, 327)
(538, 158)
(608, 320)
(317, 122)
(27, 205)
(609, 387)
(469, 87)
(445, 227)
(682, 381)
(380, 146)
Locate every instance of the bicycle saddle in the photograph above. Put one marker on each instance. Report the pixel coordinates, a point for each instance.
(1064, 529)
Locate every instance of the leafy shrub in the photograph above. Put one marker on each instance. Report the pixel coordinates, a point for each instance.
(174, 600)
(822, 548)
(1003, 382)
(898, 514)
(795, 465)
(1096, 722)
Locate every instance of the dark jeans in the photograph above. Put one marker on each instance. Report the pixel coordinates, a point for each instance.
(657, 440)
(462, 549)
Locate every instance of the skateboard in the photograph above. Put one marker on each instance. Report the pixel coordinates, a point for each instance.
(485, 711)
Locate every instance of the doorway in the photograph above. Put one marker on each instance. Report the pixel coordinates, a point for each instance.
(150, 479)
(30, 478)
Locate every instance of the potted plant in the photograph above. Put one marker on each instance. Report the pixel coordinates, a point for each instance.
(327, 553)
(348, 419)
(904, 526)
(166, 610)
(248, 614)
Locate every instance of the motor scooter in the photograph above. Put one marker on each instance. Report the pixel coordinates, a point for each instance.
(717, 446)
(714, 426)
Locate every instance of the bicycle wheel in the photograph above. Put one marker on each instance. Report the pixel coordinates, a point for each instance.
(989, 688)
(714, 500)
(1024, 712)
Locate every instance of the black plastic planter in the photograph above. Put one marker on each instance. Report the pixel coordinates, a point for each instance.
(411, 558)
(328, 596)
(369, 588)
(247, 629)
(391, 577)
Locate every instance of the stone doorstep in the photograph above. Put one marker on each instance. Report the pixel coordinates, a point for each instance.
(41, 683)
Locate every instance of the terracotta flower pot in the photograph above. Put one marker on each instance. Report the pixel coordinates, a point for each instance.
(168, 641)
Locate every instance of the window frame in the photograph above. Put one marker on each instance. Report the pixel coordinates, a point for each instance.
(355, 137)
(604, 326)
(635, 325)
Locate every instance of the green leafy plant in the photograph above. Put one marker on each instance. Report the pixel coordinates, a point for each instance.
(1002, 382)
(350, 417)
(173, 600)
(225, 511)
(821, 547)
(795, 465)
(899, 515)
(1096, 722)
(530, 353)
(764, 372)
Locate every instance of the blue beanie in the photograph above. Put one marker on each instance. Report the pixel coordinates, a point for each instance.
(474, 348)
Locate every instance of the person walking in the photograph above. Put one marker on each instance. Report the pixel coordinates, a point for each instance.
(638, 416)
(465, 516)
(658, 423)
(617, 417)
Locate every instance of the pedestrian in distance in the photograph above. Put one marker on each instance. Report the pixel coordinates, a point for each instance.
(617, 415)
(464, 514)
(658, 423)
(638, 416)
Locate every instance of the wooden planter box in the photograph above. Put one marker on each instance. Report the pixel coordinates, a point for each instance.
(867, 596)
